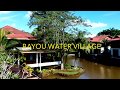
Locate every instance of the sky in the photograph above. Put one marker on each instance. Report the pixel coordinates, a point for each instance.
(99, 20)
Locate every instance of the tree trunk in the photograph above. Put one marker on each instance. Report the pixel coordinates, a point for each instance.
(75, 59)
(44, 40)
(62, 63)
(62, 59)
(66, 58)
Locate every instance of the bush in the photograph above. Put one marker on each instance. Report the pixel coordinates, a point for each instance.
(28, 69)
(67, 66)
(6, 63)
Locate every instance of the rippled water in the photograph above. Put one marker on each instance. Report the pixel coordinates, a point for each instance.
(94, 70)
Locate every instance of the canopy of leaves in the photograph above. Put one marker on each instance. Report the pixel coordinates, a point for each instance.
(111, 32)
(80, 37)
(52, 25)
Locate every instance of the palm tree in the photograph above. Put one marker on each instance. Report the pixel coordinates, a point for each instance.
(6, 44)
(106, 53)
(82, 40)
(105, 44)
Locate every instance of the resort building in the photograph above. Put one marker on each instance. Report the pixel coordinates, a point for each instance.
(34, 58)
(113, 44)
(98, 40)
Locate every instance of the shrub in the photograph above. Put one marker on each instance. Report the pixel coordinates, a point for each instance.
(28, 69)
(6, 63)
(67, 66)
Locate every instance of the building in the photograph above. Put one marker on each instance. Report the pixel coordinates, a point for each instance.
(113, 44)
(115, 47)
(99, 40)
(34, 58)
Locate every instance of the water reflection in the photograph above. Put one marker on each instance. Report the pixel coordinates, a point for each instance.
(94, 70)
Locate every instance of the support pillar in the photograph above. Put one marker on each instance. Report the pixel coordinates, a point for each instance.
(37, 58)
(40, 61)
(18, 62)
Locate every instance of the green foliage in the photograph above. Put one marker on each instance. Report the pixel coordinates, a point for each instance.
(22, 58)
(28, 68)
(14, 76)
(67, 66)
(38, 71)
(6, 62)
(67, 73)
(2, 34)
(51, 25)
(6, 44)
(111, 32)
(55, 26)
(80, 37)
(6, 58)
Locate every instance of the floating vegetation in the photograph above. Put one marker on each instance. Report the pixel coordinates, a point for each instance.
(62, 74)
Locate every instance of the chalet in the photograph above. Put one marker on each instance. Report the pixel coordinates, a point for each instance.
(99, 39)
(113, 44)
(115, 47)
(34, 58)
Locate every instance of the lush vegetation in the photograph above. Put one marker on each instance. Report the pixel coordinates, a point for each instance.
(9, 68)
(7, 44)
(7, 61)
(111, 32)
(67, 73)
(56, 27)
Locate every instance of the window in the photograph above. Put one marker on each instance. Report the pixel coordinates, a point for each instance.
(115, 53)
(31, 57)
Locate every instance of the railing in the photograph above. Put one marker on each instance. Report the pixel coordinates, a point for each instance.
(44, 64)
(21, 48)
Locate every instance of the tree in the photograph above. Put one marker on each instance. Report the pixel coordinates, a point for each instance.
(58, 22)
(106, 52)
(111, 32)
(81, 39)
(54, 21)
(6, 44)
(40, 35)
(105, 44)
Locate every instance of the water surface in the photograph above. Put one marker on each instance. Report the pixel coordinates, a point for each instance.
(94, 70)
